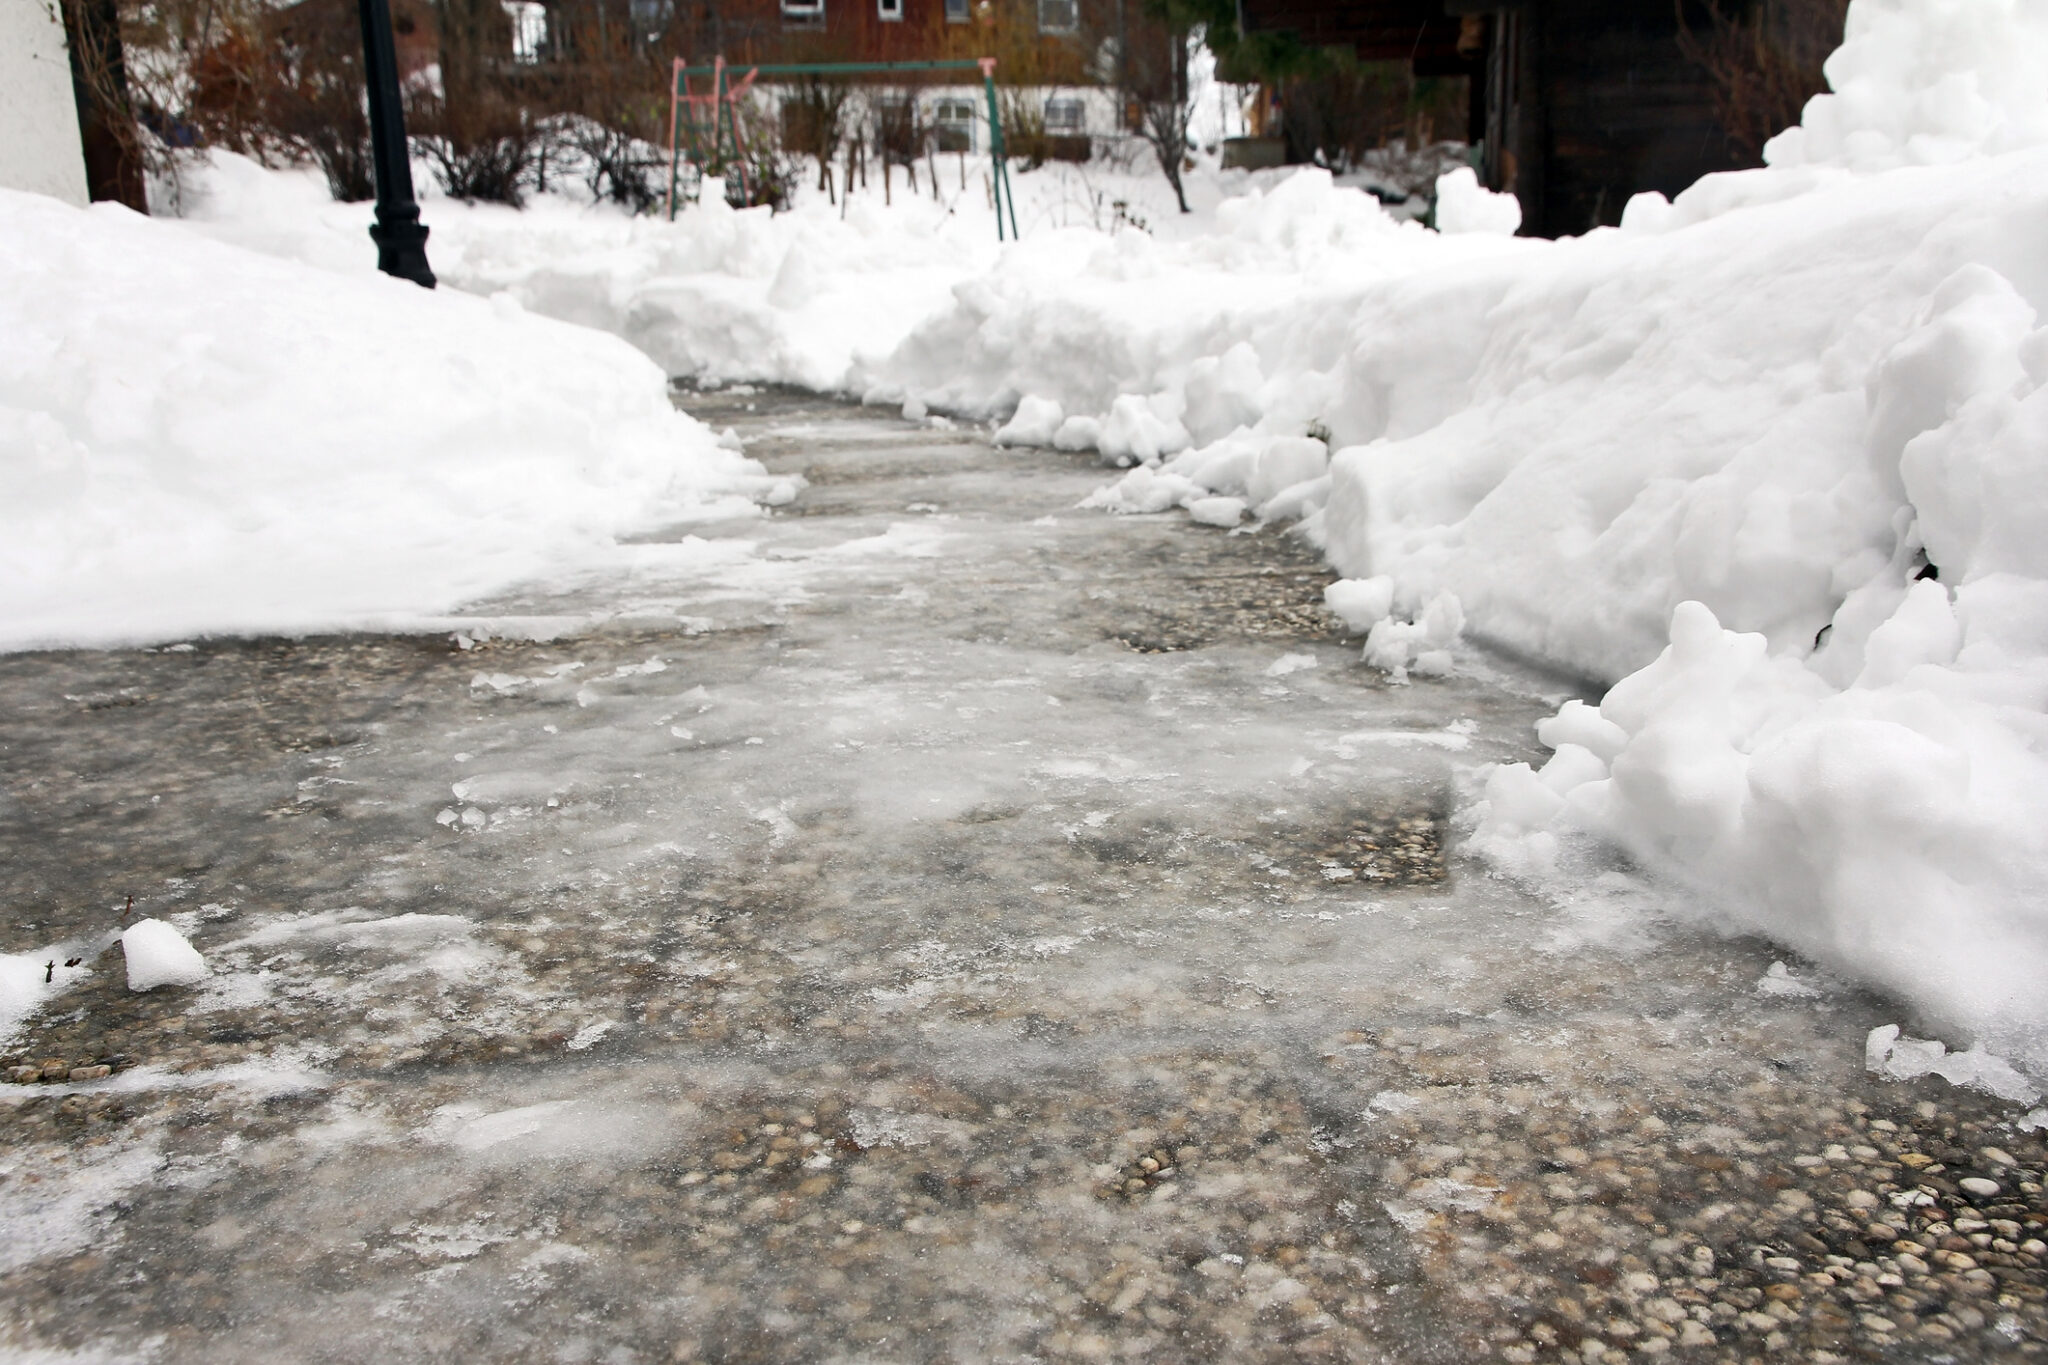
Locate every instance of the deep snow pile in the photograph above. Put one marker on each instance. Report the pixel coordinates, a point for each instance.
(811, 297)
(717, 294)
(196, 438)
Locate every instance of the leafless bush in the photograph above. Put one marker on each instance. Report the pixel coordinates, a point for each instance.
(769, 182)
(814, 123)
(616, 165)
(1154, 75)
(1024, 134)
(312, 99)
(485, 150)
(1340, 110)
(1764, 59)
(898, 132)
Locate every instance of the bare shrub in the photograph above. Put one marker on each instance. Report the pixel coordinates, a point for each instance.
(814, 123)
(617, 165)
(1154, 77)
(486, 150)
(1764, 59)
(1339, 109)
(312, 101)
(899, 133)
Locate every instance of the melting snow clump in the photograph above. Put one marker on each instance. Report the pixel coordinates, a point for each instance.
(158, 955)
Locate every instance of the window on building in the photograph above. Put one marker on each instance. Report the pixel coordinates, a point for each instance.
(805, 11)
(529, 30)
(1066, 116)
(1059, 16)
(890, 10)
(956, 11)
(953, 123)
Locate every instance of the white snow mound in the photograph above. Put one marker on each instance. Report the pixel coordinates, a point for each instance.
(158, 955)
(195, 438)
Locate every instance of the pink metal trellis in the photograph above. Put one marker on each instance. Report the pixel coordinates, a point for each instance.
(722, 99)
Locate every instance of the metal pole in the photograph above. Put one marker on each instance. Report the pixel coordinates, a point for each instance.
(674, 142)
(400, 236)
(995, 143)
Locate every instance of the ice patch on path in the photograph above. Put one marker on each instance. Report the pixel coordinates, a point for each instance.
(1898, 1058)
(876, 1127)
(555, 1130)
(1389, 1102)
(1779, 981)
(589, 1035)
(67, 1200)
(158, 955)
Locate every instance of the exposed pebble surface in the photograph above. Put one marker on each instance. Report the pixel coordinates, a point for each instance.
(926, 924)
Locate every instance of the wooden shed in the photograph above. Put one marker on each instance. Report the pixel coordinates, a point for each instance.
(1576, 104)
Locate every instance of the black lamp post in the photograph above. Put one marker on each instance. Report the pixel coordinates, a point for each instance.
(400, 236)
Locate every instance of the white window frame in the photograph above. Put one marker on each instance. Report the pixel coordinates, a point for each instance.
(1078, 128)
(968, 120)
(1073, 16)
(803, 9)
(889, 11)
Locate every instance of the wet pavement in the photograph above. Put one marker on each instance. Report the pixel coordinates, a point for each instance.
(924, 923)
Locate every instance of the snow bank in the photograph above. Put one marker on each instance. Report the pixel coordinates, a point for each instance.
(197, 438)
(805, 297)
(1919, 82)
(158, 955)
(1152, 347)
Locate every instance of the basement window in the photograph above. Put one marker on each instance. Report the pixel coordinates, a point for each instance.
(1059, 16)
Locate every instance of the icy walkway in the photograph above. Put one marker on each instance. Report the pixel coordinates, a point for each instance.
(929, 924)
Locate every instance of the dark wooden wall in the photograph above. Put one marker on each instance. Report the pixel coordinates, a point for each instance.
(1624, 110)
(1580, 103)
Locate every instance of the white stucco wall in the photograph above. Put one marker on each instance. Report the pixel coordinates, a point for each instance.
(39, 148)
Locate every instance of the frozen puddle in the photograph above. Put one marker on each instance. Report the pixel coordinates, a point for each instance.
(925, 924)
